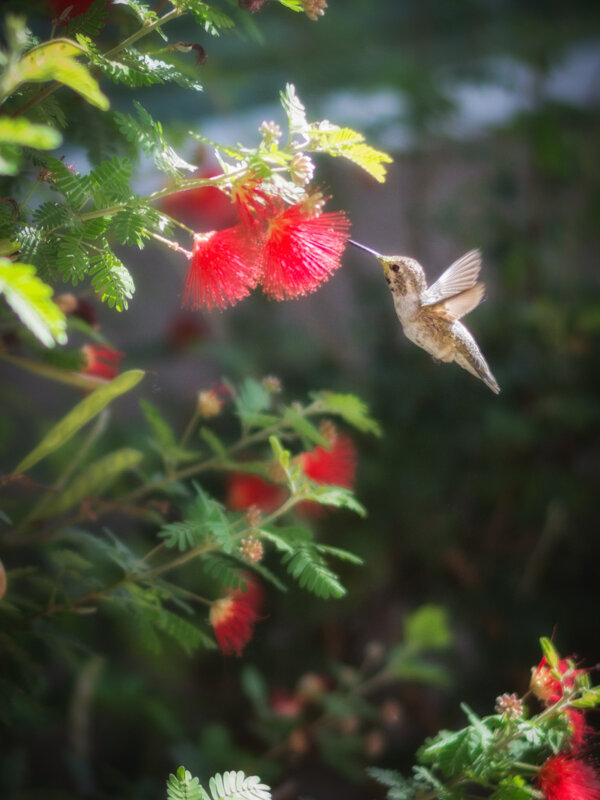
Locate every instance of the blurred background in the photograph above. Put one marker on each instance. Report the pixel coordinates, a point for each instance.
(485, 506)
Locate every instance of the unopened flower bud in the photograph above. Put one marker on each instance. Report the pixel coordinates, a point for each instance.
(391, 712)
(272, 384)
(314, 8)
(302, 170)
(509, 705)
(298, 741)
(349, 724)
(270, 131)
(66, 302)
(312, 686)
(253, 516)
(374, 744)
(252, 550)
(276, 473)
(209, 403)
(313, 204)
(328, 431)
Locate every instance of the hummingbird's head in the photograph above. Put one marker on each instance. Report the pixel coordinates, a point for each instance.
(403, 275)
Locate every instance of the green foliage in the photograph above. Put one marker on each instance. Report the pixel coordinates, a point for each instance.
(93, 480)
(55, 61)
(427, 629)
(350, 408)
(30, 299)
(148, 134)
(79, 416)
(231, 785)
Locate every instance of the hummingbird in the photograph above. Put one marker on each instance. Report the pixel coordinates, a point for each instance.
(430, 315)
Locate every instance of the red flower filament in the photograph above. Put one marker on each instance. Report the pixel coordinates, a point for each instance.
(302, 250)
(233, 617)
(336, 466)
(245, 490)
(562, 777)
(223, 270)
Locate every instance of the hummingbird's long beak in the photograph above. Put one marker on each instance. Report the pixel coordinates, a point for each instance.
(366, 249)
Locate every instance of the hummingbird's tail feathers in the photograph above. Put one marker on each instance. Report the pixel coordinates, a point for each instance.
(460, 276)
(479, 368)
(460, 304)
(366, 249)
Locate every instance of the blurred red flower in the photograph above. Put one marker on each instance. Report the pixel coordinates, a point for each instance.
(101, 361)
(244, 491)
(335, 465)
(563, 777)
(207, 207)
(549, 688)
(233, 617)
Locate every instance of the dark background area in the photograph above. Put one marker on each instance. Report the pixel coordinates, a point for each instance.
(485, 505)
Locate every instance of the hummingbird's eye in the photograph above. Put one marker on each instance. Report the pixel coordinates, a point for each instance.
(395, 267)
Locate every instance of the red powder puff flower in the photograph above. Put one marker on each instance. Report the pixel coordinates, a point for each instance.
(546, 686)
(225, 266)
(101, 362)
(302, 248)
(562, 777)
(206, 207)
(233, 617)
(580, 730)
(336, 465)
(244, 491)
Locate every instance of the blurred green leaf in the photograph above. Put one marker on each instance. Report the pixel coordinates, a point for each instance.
(351, 408)
(55, 61)
(28, 134)
(31, 300)
(93, 480)
(83, 412)
(427, 629)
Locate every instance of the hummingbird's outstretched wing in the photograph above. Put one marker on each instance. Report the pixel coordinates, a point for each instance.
(458, 305)
(458, 278)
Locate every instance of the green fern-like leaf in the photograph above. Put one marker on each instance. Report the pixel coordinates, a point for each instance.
(234, 785)
(30, 299)
(312, 573)
(223, 569)
(91, 21)
(109, 181)
(188, 636)
(51, 215)
(148, 134)
(75, 187)
(112, 280)
(182, 786)
(72, 259)
(350, 144)
(212, 19)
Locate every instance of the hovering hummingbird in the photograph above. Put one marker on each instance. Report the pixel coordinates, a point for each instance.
(430, 316)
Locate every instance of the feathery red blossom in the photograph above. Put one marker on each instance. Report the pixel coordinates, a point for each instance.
(101, 361)
(244, 491)
(546, 686)
(233, 617)
(563, 777)
(302, 249)
(336, 465)
(224, 268)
